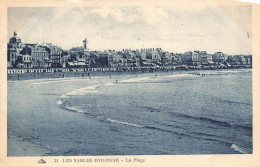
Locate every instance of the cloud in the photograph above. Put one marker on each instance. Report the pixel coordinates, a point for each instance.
(150, 15)
(60, 12)
(119, 14)
(103, 11)
(172, 28)
(153, 15)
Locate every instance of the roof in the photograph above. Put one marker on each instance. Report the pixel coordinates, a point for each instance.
(30, 44)
(81, 63)
(71, 63)
(76, 63)
(81, 59)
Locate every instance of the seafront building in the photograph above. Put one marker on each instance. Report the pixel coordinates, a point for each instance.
(35, 56)
(14, 47)
(27, 55)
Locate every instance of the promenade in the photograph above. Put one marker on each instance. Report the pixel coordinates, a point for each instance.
(41, 73)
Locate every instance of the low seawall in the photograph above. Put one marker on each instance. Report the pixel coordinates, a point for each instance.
(27, 74)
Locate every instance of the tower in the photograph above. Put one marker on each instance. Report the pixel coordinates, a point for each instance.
(85, 42)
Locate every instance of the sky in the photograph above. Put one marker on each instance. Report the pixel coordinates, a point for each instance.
(173, 28)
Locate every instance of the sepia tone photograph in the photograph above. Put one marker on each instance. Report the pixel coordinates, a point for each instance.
(128, 80)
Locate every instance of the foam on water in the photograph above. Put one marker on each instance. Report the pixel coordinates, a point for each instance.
(60, 102)
(82, 91)
(93, 89)
(75, 109)
(124, 123)
(239, 149)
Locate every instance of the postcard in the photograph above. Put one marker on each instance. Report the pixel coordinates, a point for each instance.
(129, 83)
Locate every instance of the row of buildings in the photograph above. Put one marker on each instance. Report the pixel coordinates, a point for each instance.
(46, 55)
(28, 55)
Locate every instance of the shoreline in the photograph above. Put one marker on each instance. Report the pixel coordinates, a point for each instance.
(101, 72)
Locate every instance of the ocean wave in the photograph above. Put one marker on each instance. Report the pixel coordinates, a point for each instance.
(221, 99)
(82, 91)
(198, 118)
(201, 136)
(217, 122)
(197, 135)
(171, 131)
(240, 149)
(85, 90)
(124, 123)
(93, 89)
(60, 102)
(75, 109)
(231, 101)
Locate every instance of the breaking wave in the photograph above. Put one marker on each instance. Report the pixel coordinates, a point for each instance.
(82, 91)
(93, 89)
(60, 102)
(124, 123)
(75, 109)
(239, 149)
(222, 123)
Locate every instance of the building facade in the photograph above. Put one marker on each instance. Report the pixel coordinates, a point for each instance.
(14, 47)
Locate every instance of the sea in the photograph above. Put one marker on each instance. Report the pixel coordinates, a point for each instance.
(173, 113)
